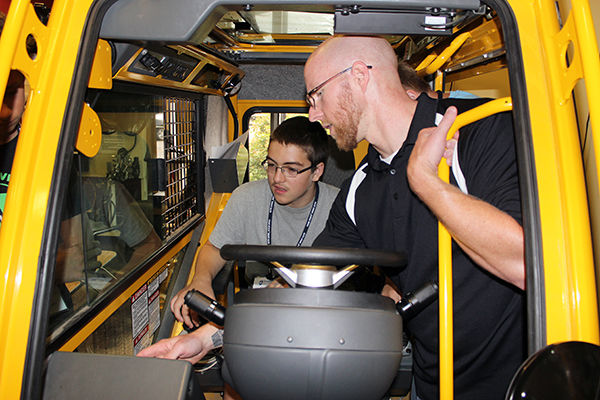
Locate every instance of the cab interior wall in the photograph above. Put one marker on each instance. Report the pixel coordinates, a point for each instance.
(265, 80)
(285, 82)
(274, 79)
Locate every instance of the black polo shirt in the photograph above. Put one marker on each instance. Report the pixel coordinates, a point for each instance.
(376, 209)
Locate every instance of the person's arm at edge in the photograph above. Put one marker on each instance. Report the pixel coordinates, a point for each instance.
(208, 264)
(491, 237)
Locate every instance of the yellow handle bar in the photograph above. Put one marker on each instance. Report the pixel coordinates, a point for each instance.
(445, 254)
(432, 62)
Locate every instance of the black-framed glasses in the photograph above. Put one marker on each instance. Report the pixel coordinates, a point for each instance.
(288, 172)
(309, 96)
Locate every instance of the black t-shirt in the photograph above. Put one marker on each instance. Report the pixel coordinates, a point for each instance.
(7, 154)
(376, 209)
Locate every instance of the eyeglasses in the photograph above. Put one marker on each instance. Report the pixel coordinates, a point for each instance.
(309, 96)
(288, 172)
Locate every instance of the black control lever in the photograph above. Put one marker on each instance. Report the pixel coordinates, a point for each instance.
(205, 307)
(412, 303)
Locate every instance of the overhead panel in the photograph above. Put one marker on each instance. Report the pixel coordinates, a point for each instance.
(360, 21)
(190, 21)
(181, 67)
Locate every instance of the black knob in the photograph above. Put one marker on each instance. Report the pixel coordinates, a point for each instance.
(413, 303)
(205, 307)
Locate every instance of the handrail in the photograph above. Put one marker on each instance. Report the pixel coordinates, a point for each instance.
(445, 254)
(426, 61)
(430, 65)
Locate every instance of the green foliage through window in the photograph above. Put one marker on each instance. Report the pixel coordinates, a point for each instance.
(260, 131)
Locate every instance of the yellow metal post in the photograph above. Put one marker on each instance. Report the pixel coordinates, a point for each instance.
(433, 62)
(445, 255)
(49, 73)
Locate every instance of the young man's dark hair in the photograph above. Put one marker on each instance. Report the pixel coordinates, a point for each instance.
(410, 79)
(310, 136)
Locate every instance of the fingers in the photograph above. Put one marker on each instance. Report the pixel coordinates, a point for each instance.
(182, 312)
(176, 304)
(430, 147)
(187, 316)
(147, 352)
(388, 291)
(185, 347)
(447, 120)
(451, 148)
(197, 357)
(449, 151)
(158, 350)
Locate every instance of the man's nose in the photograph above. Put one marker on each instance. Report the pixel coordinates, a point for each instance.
(278, 176)
(314, 115)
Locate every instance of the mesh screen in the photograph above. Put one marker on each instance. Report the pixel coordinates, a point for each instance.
(180, 201)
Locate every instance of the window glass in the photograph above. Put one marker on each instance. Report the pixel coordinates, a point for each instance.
(123, 203)
(125, 332)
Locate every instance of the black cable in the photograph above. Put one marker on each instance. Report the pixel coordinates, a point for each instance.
(134, 140)
(236, 124)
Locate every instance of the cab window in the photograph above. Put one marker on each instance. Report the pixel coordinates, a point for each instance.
(128, 200)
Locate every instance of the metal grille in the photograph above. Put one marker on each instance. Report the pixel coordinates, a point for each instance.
(180, 201)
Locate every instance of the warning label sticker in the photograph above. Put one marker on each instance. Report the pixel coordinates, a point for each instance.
(139, 310)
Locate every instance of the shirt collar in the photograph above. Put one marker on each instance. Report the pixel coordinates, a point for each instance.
(424, 117)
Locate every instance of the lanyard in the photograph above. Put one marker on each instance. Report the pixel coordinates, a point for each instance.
(308, 220)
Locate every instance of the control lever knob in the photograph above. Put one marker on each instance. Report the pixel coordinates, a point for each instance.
(412, 303)
(205, 307)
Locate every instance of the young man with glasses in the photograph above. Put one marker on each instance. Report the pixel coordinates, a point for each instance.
(290, 208)
(395, 199)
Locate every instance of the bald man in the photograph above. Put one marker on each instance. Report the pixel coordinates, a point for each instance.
(395, 199)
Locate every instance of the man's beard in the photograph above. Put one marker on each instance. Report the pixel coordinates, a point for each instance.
(349, 115)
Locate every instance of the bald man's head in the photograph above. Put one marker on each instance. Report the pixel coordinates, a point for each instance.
(341, 51)
(349, 81)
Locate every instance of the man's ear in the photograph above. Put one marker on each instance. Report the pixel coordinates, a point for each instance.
(360, 72)
(413, 94)
(318, 171)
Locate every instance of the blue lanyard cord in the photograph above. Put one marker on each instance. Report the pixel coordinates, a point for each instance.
(308, 220)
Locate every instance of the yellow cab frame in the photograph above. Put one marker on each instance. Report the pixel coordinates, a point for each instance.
(552, 64)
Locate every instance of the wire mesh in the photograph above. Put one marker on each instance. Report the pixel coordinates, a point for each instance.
(180, 201)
